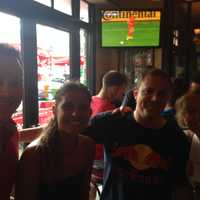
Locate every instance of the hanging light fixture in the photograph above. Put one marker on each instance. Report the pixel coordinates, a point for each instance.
(196, 38)
(197, 31)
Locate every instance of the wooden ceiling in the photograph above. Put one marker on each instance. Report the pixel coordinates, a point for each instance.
(195, 4)
(126, 3)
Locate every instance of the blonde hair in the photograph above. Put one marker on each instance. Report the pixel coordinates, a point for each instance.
(182, 106)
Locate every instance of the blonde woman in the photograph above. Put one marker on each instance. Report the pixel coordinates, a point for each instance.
(188, 117)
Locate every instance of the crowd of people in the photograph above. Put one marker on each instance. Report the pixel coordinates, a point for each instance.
(138, 153)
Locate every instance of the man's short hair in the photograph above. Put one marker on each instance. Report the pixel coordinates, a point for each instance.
(142, 72)
(154, 72)
(196, 77)
(114, 78)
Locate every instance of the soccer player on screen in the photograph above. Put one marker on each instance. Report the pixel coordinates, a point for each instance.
(131, 28)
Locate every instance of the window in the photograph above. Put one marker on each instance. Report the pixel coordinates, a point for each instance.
(45, 2)
(10, 33)
(53, 67)
(84, 12)
(53, 50)
(83, 54)
(63, 6)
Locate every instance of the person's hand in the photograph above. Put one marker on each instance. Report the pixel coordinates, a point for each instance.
(122, 110)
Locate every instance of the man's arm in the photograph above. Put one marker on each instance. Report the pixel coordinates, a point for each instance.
(100, 127)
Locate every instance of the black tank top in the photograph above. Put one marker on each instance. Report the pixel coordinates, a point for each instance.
(66, 189)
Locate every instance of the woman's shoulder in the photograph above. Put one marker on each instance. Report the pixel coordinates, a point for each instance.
(86, 140)
(87, 143)
(31, 153)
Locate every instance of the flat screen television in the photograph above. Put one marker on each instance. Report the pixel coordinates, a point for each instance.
(130, 28)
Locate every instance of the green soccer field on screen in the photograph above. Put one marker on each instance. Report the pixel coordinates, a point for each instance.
(145, 33)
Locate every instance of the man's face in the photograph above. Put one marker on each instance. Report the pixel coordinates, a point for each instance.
(10, 86)
(152, 96)
(195, 88)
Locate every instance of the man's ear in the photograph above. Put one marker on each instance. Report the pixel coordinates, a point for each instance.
(111, 91)
(114, 89)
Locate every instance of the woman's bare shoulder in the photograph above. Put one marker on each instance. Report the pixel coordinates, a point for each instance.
(31, 153)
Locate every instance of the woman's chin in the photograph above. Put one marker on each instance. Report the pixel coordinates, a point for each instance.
(73, 128)
(70, 130)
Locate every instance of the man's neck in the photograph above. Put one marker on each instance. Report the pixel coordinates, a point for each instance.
(103, 94)
(149, 122)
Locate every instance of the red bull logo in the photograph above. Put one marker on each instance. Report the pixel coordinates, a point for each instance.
(141, 157)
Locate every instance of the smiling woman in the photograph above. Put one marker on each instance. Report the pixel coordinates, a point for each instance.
(60, 160)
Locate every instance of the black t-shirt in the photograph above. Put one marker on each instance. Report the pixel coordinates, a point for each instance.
(140, 163)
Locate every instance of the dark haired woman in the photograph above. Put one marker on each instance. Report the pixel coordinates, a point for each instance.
(58, 164)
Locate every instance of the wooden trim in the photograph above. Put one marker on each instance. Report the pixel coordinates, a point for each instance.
(27, 135)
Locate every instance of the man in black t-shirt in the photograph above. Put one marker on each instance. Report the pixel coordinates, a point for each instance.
(145, 155)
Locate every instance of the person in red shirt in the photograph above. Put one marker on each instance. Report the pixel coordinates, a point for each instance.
(111, 93)
(109, 97)
(11, 74)
(131, 28)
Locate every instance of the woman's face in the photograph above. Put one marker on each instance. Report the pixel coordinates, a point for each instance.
(191, 117)
(73, 112)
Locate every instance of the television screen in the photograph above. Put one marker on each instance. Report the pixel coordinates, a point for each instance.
(130, 28)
